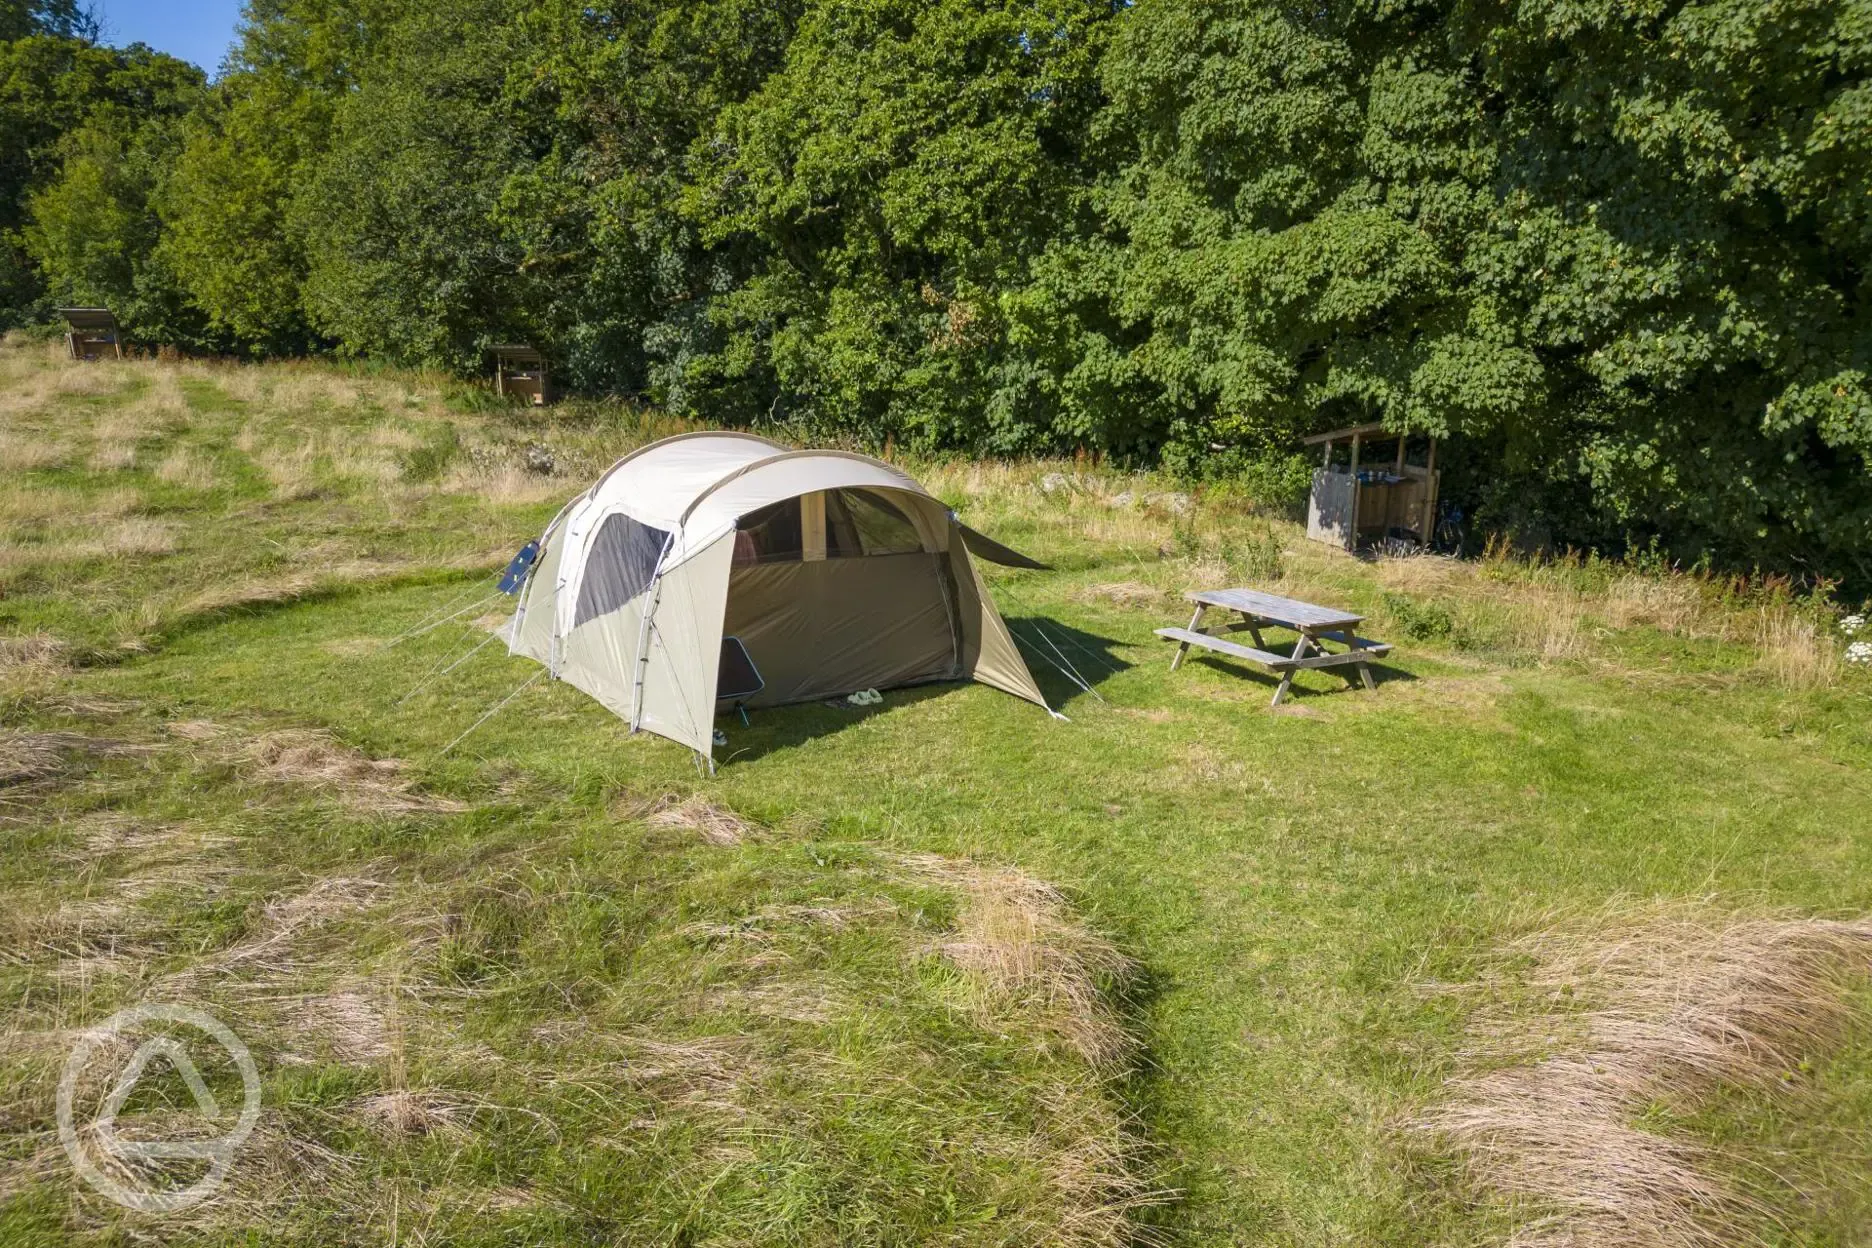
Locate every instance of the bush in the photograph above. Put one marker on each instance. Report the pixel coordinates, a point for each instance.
(1419, 621)
(1268, 483)
(1257, 557)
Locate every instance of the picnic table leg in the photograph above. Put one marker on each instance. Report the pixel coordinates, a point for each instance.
(1254, 630)
(1364, 668)
(1176, 660)
(1299, 652)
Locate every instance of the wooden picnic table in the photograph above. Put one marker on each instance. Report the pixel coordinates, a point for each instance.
(1316, 625)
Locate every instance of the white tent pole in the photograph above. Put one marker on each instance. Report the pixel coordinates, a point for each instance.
(643, 635)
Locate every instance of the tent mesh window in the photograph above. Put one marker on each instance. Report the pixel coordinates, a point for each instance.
(620, 564)
(859, 522)
(770, 535)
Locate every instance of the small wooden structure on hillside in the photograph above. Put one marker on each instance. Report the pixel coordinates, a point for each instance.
(91, 333)
(520, 369)
(1371, 498)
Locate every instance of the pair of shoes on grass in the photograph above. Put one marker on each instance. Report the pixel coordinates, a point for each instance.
(865, 697)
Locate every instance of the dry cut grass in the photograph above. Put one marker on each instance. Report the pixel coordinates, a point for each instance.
(26, 757)
(321, 577)
(1036, 968)
(1017, 938)
(1125, 594)
(188, 468)
(1546, 1115)
(715, 824)
(317, 760)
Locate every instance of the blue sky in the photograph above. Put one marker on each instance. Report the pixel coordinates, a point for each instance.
(195, 30)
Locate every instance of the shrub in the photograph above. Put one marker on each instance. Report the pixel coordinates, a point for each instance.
(1419, 621)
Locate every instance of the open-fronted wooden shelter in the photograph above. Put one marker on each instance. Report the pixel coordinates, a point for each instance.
(1369, 498)
(520, 369)
(91, 333)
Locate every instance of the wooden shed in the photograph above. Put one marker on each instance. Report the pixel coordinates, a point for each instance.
(1370, 497)
(91, 333)
(520, 369)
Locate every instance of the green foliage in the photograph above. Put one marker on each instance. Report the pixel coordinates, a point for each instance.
(1618, 253)
(94, 233)
(403, 257)
(623, 94)
(1617, 248)
(1255, 557)
(224, 227)
(65, 18)
(85, 135)
(1419, 621)
(430, 460)
(900, 170)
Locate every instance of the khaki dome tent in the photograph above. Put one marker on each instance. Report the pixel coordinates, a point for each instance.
(836, 572)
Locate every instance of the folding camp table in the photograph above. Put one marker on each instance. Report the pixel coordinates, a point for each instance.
(1316, 625)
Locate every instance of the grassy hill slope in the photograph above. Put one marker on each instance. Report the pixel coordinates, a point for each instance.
(945, 970)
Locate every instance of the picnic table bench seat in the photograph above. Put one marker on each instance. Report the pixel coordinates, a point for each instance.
(1267, 659)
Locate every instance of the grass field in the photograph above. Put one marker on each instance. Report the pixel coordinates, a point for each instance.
(1560, 933)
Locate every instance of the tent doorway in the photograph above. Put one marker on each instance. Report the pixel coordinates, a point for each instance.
(832, 592)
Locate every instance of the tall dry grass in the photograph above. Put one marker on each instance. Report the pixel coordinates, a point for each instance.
(1548, 625)
(302, 389)
(187, 467)
(1015, 935)
(1553, 609)
(1545, 1116)
(94, 378)
(117, 433)
(1795, 649)
(291, 459)
(505, 482)
(31, 451)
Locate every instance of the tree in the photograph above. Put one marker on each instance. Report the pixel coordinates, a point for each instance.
(1622, 249)
(52, 89)
(621, 94)
(248, 154)
(65, 19)
(405, 256)
(898, 173)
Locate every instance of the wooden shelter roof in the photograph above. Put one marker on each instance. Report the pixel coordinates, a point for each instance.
(1375, 429)
(89, 318)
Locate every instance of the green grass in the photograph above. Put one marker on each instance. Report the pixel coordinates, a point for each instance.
(605, 1028)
